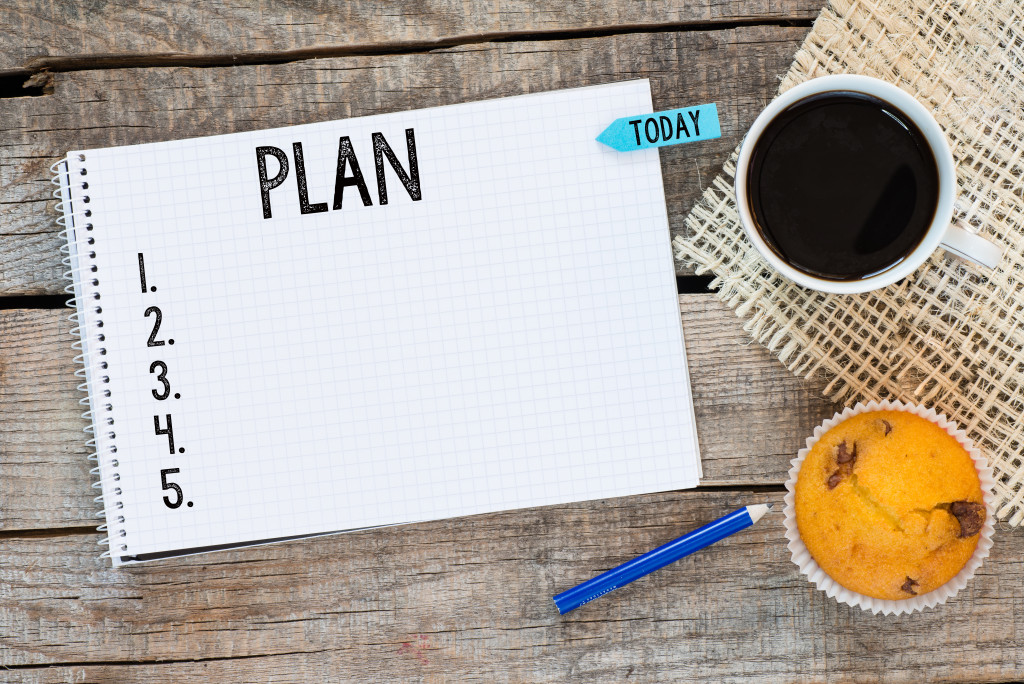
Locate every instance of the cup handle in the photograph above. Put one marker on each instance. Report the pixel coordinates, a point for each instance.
(971, 247)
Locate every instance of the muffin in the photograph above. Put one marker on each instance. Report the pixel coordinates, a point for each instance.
(889, 504)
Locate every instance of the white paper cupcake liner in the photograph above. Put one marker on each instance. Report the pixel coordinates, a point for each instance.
(809, 567)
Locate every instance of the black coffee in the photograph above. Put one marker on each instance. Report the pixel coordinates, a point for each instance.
(842, 185)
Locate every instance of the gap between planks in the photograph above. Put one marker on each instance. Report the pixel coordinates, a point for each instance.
(130, 663)
(249, 58)
(81, 530)
(685, 284)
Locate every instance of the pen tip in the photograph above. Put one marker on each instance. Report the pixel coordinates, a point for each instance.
(769, 506)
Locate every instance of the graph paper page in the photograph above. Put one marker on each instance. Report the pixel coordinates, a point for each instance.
(496, 327)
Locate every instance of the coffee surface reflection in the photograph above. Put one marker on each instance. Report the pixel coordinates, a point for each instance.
(842, 185)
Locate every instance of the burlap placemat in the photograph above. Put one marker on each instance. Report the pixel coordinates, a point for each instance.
(950, 336)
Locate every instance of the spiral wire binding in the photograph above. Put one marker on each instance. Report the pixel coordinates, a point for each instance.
(79, 250)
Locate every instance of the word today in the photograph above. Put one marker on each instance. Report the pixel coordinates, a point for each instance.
(671, 127)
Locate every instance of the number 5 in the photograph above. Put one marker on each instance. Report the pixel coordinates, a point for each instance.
(171, 485)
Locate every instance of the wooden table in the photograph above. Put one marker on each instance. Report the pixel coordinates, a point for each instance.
(456, 600)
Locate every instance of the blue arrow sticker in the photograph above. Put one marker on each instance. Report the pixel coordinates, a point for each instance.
(671, 127)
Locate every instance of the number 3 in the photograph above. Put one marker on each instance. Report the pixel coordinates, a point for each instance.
(162, 378)
(171, 485)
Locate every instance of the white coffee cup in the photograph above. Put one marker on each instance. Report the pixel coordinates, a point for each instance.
(941, 232)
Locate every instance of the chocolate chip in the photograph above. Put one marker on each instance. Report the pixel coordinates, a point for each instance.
(970, 515)
(845, 458)
(885, 425)
(844, 455)
(909, 585)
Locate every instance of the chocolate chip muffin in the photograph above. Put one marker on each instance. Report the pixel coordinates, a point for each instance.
(889, 504)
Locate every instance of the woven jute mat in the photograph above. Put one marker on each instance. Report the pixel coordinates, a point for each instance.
(950, 336)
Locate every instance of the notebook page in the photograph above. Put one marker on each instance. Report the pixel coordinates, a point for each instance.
(503, 332)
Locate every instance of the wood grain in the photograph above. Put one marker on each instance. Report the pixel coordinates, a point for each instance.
(464, 600)
(44, 466)
(737, 68)
(752, 414)
(469, 600)
(73, 34)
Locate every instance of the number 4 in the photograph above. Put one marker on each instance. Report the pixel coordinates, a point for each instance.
(170, 485)
(169, 431)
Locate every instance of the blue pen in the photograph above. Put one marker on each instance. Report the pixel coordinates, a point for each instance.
(659, 557)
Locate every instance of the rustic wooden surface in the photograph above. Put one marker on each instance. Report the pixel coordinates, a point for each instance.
(736, 67)
(458, 600)
(749, 410)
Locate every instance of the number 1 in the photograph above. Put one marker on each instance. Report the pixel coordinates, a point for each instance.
(142, 273)
(142, 276)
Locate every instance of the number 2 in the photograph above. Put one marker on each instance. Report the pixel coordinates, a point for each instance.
(161, 377)
(153, 342)
(170, 485)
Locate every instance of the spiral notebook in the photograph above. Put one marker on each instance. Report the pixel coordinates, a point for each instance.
(387, 319)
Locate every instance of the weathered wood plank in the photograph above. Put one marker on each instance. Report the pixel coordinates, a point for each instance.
(738, 68)
(69, 32)
(44, 466)
(752, 415)
(463, 600)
